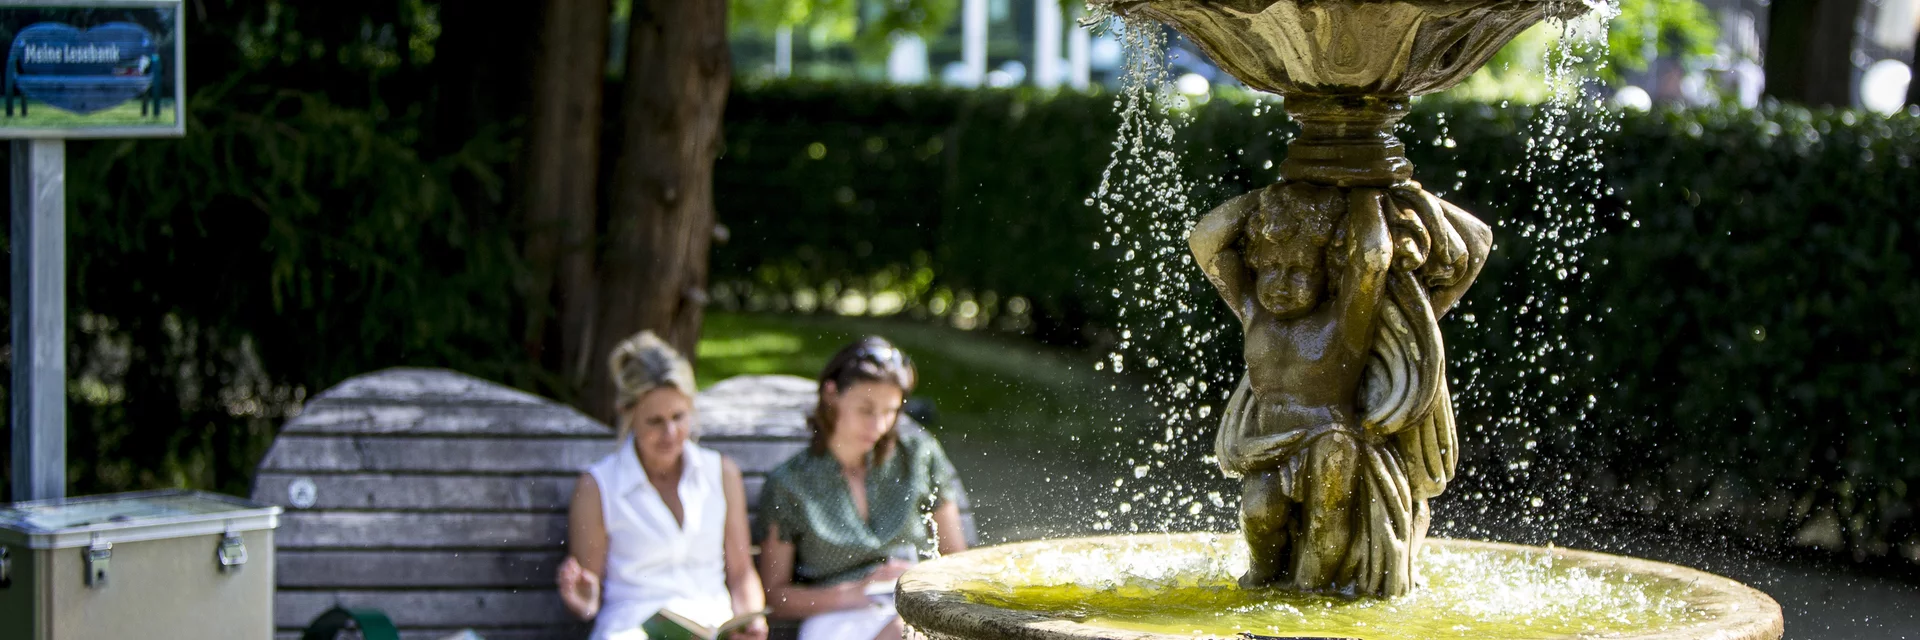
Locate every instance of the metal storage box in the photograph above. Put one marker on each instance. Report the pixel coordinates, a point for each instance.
(157, 565)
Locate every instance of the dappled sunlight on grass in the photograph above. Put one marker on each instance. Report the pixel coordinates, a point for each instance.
(980, 384)
(749, 352)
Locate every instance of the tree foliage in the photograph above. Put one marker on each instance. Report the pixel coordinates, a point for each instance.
(1648, 29)
(1639, 33)
(870, 25)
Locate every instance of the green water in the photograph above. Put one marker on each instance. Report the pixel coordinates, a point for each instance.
(1186, 587)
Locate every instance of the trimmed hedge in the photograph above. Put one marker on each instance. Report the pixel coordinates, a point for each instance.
(1741, 345)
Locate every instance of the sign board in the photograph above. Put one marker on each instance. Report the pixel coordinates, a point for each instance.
(108, 69)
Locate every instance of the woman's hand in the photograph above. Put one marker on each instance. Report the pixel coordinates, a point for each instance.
(756, 630)
(580, 589)
(889, 571)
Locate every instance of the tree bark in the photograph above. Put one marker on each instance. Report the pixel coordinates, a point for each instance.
(654, 272)
(1913, 85)
(562, 197)
(1809, 55)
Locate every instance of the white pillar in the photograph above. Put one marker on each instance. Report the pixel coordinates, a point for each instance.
(973, 40)
(907, 61)
(1079, 41)
(783, 51)
(39, 392)
(1046, 43)
(1894, 24)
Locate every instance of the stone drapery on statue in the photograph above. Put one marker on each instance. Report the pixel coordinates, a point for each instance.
(1342, 427)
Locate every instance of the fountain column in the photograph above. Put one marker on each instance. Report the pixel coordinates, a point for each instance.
(1340, 428)
(1347, 141)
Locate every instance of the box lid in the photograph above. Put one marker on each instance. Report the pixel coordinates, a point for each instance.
(130, 517)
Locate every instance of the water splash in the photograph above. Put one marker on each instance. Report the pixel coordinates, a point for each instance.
(1537, 419)
(1147, 203)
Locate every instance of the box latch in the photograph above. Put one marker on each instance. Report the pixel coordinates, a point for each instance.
(98, 555)
(6, 567)
(232, 553)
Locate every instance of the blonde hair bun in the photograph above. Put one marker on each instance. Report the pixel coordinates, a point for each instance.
(643, 363)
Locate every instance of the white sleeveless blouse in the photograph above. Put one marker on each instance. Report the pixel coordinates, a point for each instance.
(653, 562)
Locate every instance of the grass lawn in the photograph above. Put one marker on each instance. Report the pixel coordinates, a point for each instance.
(980, 384)
(43, 115)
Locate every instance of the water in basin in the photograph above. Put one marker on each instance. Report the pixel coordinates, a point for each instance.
(1186, 585)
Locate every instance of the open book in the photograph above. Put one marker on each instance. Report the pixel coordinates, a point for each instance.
(667, 625)
(882, 588)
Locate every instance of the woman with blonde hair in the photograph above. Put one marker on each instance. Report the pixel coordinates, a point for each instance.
(661, 523)
(848, 515)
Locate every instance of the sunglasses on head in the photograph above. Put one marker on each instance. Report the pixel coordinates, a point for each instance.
(882, 354)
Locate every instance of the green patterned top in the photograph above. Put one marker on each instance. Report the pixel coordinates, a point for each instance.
(807, 497)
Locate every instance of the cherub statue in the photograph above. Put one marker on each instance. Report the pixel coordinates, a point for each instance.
(1342, 427)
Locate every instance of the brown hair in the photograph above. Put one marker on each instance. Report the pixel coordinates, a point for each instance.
(870, 359)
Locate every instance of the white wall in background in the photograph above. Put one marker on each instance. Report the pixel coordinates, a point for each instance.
(907, 61)
(783, 51)
(973, 43)
(1079, 63)
(1046, 43)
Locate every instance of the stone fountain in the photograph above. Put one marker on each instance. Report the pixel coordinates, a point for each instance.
(1342, 427)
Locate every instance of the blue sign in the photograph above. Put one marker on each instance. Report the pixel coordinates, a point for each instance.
(83, 71)
(106, 69)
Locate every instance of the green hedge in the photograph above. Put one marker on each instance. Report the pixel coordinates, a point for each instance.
(1742, 345)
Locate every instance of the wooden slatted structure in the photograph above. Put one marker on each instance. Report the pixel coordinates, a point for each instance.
(436, 497)
(441, 498)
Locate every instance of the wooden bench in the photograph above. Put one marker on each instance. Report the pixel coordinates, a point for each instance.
(441, 499)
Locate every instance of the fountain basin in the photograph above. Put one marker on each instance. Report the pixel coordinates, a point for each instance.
(1155, 586)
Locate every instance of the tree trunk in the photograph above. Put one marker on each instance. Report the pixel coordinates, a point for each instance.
(1809, 51)
(654, 272)
(562, 187)
(1913, 84)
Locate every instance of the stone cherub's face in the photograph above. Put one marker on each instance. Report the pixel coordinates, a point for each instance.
(1288, 280)
(1286, 248)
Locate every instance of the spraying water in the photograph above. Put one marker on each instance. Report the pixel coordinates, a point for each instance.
(1146, 201)
(1149, 205)
(1529, 420)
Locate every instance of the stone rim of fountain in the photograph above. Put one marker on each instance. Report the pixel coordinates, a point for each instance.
(931, 599)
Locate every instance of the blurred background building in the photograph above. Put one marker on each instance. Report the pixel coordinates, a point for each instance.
(1676, 52)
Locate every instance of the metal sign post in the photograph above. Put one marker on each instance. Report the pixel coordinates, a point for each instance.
(39, 392)
(74, 69)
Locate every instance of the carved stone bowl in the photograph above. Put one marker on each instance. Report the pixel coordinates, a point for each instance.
(1367, 47)
(1015, 592)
